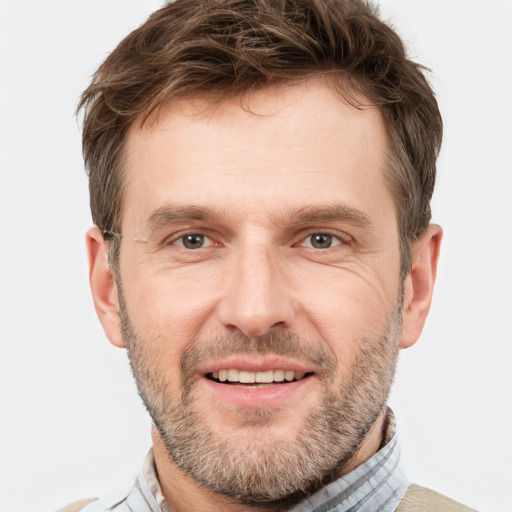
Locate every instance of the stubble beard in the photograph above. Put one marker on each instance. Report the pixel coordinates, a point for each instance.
(251, 467)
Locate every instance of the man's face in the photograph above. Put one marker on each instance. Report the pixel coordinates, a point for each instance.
(259, 269)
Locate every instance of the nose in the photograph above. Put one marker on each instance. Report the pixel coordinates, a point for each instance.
(257, 297)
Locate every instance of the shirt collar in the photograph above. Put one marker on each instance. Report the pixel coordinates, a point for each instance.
(377, 484)
(151, 477)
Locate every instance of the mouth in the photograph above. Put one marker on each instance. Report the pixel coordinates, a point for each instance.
(256, 379)
(258, 382)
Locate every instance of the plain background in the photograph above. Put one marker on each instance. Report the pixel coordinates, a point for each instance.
(71, 423)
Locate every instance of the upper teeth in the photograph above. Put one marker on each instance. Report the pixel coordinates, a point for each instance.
(245, 377)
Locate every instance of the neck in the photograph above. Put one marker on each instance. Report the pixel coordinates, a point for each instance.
(182, 493)
(371, 444)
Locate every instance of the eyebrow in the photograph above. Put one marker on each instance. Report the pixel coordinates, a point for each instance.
(311, 214)
(175, 213)
(325, 213)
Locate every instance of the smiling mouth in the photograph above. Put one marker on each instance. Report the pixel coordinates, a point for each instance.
(256, 379)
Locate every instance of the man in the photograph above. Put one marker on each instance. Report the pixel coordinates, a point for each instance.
(260, 177)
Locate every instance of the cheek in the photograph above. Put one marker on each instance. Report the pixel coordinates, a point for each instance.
(171, 306)
(346, 308)
(165, 323)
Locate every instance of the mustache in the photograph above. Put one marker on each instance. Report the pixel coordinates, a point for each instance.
(272, 343)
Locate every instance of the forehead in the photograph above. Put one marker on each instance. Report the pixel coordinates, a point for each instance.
(288, 146)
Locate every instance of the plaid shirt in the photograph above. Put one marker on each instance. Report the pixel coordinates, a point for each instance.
(376, 485)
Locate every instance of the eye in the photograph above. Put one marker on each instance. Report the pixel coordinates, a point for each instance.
(322, 241)
(193, 241)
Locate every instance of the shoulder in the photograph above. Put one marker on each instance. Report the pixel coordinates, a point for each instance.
(76, 506)
(421, 499)
(97, 505)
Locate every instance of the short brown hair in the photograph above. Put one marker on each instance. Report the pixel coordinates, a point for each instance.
(224, 48)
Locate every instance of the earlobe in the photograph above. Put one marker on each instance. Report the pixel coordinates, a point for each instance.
(419, 284)
(103, 286)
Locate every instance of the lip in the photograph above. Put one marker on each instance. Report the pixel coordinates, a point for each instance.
(250, 396)
(271, 396)
(254, 363)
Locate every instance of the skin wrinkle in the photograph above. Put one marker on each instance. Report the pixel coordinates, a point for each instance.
(264, 282)
(356, 270)
(337, 427)
(171, 214)
(307, 215)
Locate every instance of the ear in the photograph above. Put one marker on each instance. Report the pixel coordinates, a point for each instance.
(103, 286)
(419, 284)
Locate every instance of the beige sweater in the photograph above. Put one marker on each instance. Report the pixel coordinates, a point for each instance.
(416, 499)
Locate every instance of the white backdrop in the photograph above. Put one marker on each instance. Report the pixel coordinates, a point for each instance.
(71, 423)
